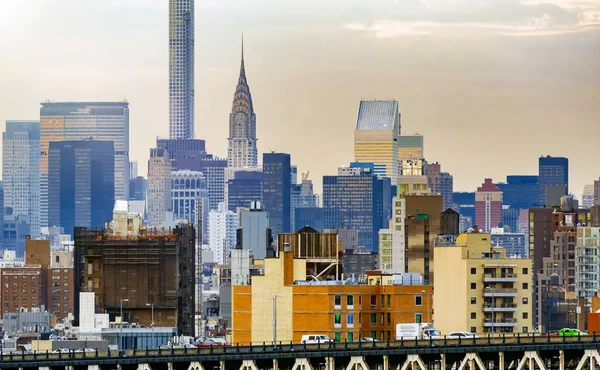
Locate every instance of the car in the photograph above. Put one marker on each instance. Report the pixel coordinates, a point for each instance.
(461, 335)
(567, 332)
(552, 333)
(367, 339)
(315, 338)
(62, 350)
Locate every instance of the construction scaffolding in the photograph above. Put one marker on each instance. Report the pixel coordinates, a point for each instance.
(153, 269)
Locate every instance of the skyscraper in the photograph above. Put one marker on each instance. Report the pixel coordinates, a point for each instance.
(302, 196)
(187, 189)
(242, 152)
(159, 187)
(441, 183)
(183, 151)
(81, 186)
(411, 147)
(553, 172)
(376, 137)
(254, 232)
(21, 171)
(100, 121)
(244, 188)
(276, 190)
(488, 206)
(181, 69)
(222, 232)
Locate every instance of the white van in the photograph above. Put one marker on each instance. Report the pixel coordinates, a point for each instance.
(315, 338)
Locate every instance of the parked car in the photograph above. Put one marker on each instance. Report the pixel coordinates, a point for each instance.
(461, 335)
(567, 332)
(367, 339)
(553, 333)
(315, 338)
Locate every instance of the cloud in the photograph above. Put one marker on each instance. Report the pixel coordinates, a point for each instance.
(507, 17)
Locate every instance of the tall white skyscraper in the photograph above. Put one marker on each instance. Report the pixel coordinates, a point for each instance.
(100, 121)
(392, 247)
(181, 69)
(222, 232)
(242, 151)
(21, 171)
(159, 188)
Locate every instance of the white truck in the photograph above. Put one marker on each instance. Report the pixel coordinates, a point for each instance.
(416, 332)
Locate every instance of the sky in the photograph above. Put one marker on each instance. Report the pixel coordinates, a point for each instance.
(491, 84)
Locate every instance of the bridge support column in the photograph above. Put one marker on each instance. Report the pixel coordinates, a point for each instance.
(531, 358)
(561, 360)
(357, 363)
(248, 365)
(222, 365)
(275, 364)
(386, 363)
(195, 365)
(69, 367)
(443, 361)
(415, 362)
(169, 366)
(330, 363)
(500, 360)
(590, 356)
(144, 367)
(474, 362)
(301, 364)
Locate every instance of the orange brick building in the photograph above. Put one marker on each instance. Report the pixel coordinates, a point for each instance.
(344, 312)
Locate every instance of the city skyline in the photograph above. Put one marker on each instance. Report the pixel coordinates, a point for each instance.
(310, 77)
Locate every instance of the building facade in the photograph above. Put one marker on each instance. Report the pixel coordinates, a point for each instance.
(440, 183)
(255, 233)
(488, 206)
(183, 151)
(376, 137)
(302, 196)
(81, 186)
(100, 121)
(243, 189)
(411, 147)
(188, 188)
(514, 244)
(588, 196)
(21, 171)
(276, 177)
(392, 247)
(479, 290)
(222, 233)
(242, 151)
(159, 188)
(181, 69)
(553, 171)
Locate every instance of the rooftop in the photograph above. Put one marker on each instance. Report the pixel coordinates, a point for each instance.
(378, 115)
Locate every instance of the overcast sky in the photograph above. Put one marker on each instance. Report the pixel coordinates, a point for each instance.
(491, 84)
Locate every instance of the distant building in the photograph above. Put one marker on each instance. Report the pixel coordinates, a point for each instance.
(553, 171)
(214, 171)
(464, 204)
(159, 188)
(188, 190)
(376, 137)
(276, 190)
(587, 277)
(309, 216)
(100, 121)
(222, 233)
(392, 241)
(588, 197)
(356, 198)
(254, 232)
(138, 187)
(488, 206)
(15, 232)
(513, 243)
(21, 171)
(28, 278)
(302, 196)
(81, 186)
(441, 183)
(358, 261)
(520, 192)
(244, 188)
(410, 147)
(597, 192)
(180, 150)
(133, 169)
(489, 292)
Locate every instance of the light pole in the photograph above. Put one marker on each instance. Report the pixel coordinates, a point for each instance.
(274, 299)
(152, 305)
(121, 330)
(428, 306)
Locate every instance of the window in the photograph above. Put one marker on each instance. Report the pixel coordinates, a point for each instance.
(473, 285)
(389, 318)
(525, 301)
(360, 301)
(350, 337)
(525, 315)
(525, 329)
(418, 300)
(350, 320)
(473, 300)
(418, 318)
(350, 301)
(382, 300)
(337, 337)
(524, 270)
(373, 301)
(373, 319)
(337, 320)
(525, 286)
(337, 301)
(382, 316)
(473, 329)
(473, 315)
(373, 334)
(473, 270)
(389, 299)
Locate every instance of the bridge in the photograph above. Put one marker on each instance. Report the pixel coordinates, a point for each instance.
(491, 353)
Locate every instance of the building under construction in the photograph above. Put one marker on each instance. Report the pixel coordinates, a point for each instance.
(139, 272)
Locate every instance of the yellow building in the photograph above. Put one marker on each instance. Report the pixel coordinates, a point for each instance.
(478, 289)
(376, 136)
(344, 312)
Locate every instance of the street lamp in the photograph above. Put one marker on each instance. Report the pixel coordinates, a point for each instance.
(428, 307)
(121, 330)
(274, 299)
(152, 325)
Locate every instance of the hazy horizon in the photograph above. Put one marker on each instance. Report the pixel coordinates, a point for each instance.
(492, 85)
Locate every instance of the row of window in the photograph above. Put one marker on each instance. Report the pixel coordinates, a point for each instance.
(337, 300)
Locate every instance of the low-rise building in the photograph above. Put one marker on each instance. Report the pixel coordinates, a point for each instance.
(478, 289)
